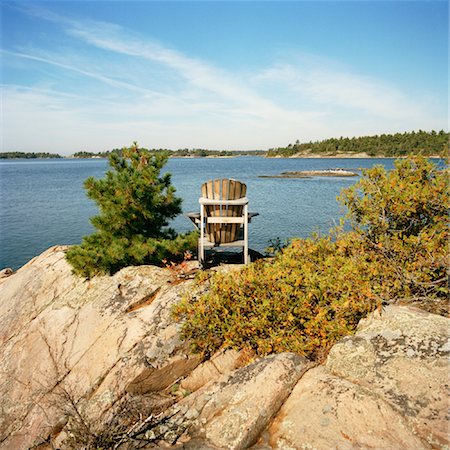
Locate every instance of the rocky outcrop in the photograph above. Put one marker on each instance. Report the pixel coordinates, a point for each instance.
(325, 411)
(220, 364)
(402, 357)
(234, 410)
(314, 173)
(63, 335)
(386, 387)
(109, 349)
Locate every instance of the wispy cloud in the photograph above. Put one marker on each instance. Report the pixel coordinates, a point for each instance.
(325, 85)
(197, 73)
(96, 76)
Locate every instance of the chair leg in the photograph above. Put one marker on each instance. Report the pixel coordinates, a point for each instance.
(201, 247)
(201, 257)
(246, 255)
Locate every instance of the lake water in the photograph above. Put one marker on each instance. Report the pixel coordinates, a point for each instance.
(43, 202)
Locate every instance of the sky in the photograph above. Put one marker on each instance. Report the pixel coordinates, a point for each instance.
(97, 75)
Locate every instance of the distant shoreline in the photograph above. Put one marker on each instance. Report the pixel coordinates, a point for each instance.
(345, 156)
(296, 156)
(398, 145)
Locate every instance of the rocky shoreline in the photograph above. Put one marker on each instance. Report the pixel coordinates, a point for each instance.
(108, 350)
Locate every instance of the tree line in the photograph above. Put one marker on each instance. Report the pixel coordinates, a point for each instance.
(427, 143)
(180, 153)
(23, 155)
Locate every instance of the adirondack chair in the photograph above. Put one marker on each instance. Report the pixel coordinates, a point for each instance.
(224, 217)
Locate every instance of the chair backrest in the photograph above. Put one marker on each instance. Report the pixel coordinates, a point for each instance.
(223, 189)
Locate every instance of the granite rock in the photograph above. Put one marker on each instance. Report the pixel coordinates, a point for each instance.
(111, 343)
(62, 334)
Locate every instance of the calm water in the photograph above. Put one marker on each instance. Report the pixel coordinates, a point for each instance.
(43, 202)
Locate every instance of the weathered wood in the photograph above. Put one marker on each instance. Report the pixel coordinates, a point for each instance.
(237, 202)
(224, 216)
(237, 190)
(194, 217)
(225, 235)
(239, 243)
(221, 232)
(225, 220)
(235, 211)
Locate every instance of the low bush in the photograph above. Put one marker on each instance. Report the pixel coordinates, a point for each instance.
(402, 217)
(316, 290)
(303, 301)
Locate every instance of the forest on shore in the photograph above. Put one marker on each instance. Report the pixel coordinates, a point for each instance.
(26, 155)
(426, 143)
(180, 153)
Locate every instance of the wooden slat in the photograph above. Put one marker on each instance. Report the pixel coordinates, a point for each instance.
(208, 244)
(217, 184)
(236, 189)
(217, 211)
(232, 196)
(223, 189)
(205, 193)
(238, 202)
(226, 229)
(225, 220)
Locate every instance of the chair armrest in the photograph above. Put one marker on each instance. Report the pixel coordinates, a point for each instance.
(209, 201)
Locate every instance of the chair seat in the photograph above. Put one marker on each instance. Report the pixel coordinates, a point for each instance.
(209, 244)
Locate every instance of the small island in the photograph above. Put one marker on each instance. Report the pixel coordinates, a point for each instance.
(32, 155)
(314, 173)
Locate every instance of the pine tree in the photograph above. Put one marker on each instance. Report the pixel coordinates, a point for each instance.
(136, 205)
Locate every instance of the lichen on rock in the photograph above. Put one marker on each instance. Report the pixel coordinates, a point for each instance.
(109, 350)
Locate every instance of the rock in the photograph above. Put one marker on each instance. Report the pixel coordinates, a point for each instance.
(237, 414)
(4, 273)
(64, 336)
(108, 349)
(386, 387)
(313, 173)
(402, 356)
(231, 412)
(154, 380)
(325, 412)
(221, 363)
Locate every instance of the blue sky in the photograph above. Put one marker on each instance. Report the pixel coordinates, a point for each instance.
(93, 76)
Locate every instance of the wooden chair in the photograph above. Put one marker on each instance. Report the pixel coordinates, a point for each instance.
(223, 219)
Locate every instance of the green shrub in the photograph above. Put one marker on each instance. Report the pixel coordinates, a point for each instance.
(316, 290)
(302, 301)
(135, 204)
(402, 217)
